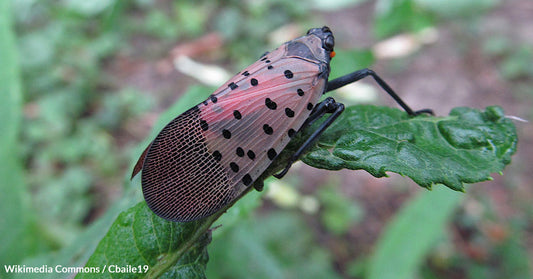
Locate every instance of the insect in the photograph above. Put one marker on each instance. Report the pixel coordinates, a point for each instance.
(207, 156)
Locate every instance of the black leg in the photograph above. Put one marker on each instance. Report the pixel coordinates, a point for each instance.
(327, 106)
(357, 75)
(318, 111)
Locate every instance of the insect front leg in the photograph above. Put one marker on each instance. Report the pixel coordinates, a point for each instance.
(357, 75)
(327, 106)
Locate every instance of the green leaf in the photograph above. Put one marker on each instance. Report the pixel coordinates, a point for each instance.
(159, 248)
(329, 5)
(339, 212)
(88, 8)
(464, 147)
(81, 248)
(516, 64)
(515, 259)
(277, 245)
(14, 220)
(411, 234)
(394, 16)
(456, 8)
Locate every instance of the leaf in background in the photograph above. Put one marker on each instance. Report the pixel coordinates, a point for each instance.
(331, 5)
(237, 213)
(515, 258)
(464, 147)
(160, 25)
(394, 16)
(88, 8)
(81, 248)
(339, 213)
(457, 8)
(14, 214)
(412, 233)
(140, 238)
(276, 245)
(515, 65)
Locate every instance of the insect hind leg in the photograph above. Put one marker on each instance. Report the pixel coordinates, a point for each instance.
(357, 75)
(327, 106)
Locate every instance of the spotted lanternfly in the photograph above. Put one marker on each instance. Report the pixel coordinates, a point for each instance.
(207, 156)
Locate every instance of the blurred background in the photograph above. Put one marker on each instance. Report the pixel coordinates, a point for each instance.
(97, 75)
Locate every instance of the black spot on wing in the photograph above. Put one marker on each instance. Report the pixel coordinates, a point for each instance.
(271, 153)
(267, 129)
(234, 167)
(250, 154)
(239, 152)
(291, 133)
(247, 179)
(237, 114)
(288, 74)
(270, 104)
(289, 112)
(226, 134)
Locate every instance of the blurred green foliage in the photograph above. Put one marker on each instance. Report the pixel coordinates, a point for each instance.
(339, 212)
(66, 113)
(72, 108)
(252, 249)
(14, 207)
(409, 241)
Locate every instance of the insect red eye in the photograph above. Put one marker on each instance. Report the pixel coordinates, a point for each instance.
(332, 54)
